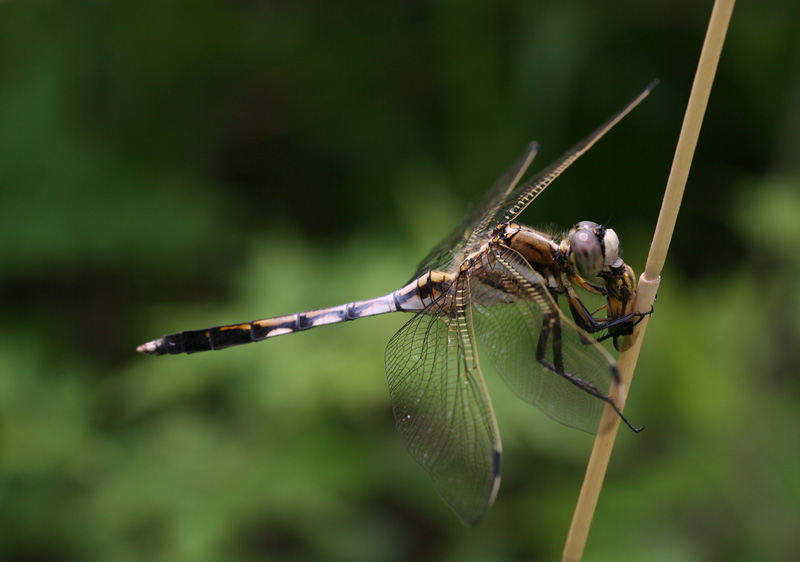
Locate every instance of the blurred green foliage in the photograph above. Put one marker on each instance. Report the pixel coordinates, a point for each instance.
(171, 165)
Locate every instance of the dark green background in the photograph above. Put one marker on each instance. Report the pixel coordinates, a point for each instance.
(174, 165)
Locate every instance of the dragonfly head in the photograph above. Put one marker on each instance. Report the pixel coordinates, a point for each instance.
(593, 249)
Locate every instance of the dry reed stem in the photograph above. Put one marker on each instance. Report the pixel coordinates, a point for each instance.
(649, 281)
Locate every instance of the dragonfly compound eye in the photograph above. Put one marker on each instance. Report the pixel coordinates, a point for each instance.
(586, 250)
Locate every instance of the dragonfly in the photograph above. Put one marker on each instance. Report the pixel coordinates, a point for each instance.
(492, 283)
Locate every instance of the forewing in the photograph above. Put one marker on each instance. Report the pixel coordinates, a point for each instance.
(510, 330)
(443, 411)
(505, 201)
(476, 221)
(519, 198)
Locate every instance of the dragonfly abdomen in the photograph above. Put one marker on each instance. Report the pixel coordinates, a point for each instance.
(422, 291)
(220, 337)
(415, 296)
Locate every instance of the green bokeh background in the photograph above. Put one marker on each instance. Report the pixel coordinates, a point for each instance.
(174, 165)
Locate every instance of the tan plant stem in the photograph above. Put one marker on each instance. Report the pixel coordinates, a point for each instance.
(649, 281)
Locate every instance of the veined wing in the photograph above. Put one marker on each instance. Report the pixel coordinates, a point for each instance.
(442, 407)
(505, 201)
(540, 353)
(522, 196)
(442, 256)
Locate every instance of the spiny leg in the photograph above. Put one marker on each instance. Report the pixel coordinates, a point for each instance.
(631, 320)
(586, 320)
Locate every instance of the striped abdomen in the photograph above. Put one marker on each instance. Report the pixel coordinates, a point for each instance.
(418, 294)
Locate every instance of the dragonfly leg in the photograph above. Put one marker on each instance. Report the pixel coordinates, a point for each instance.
(630, 319)
(590, 324)
(551, 326)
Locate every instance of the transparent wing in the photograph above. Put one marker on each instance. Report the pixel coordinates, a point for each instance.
(443, 411)
(504, 201)
(540, 353)
(518, 199)
(442, 256)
